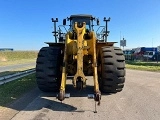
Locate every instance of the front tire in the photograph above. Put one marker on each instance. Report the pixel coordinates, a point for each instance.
(48, 69)
(112, 74)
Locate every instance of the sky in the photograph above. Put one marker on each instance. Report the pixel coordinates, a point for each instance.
(26, 24)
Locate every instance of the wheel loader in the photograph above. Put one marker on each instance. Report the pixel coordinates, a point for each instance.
(81, 51)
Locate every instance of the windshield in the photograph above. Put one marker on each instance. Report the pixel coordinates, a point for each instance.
(86, 20)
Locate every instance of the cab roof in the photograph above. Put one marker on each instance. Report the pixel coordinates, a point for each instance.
(81, 15)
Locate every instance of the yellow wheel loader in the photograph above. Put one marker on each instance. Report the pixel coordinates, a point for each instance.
(79, 51)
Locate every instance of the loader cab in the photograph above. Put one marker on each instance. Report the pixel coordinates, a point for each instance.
(80, 22)
(88, 19)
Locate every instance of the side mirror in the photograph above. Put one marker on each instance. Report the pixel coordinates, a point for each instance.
(97, 21)
(64, 21)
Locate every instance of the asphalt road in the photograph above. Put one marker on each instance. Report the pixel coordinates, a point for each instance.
(13, 67)
(139, 100)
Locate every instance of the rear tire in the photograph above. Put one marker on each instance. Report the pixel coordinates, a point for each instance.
(48, 69)
(112, 75)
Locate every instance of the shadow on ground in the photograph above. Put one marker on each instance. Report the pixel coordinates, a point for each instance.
(36, 100)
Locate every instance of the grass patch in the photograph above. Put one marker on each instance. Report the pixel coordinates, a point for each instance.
(15, 89)
(147, 66)
(17, 57)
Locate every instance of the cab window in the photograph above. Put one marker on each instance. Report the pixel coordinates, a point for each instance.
(87, 21)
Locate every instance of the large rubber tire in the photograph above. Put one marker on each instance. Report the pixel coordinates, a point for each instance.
(112, 75)
(48, 69)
